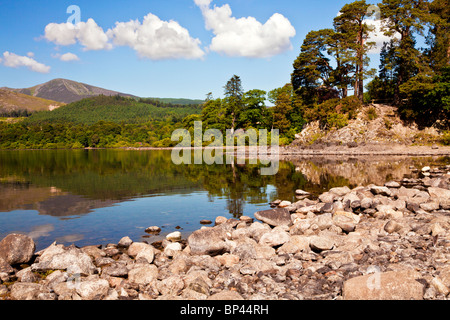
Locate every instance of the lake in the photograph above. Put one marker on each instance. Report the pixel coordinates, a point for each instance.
(89, 197)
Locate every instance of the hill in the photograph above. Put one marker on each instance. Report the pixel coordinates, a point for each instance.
(115, 109)
(15, 103)
(180, 101)
(66, 91)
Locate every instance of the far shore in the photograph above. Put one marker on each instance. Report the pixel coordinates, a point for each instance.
(297, 151)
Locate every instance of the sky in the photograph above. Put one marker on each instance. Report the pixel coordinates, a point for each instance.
(154, 48)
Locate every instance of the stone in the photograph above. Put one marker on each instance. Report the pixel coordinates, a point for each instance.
(392, 226)
(439, 193)
(174, 236)
(366, 203)
(392, 184)
(143, 274)
(284, 204)
(26, 275)
(72, 259)
(209, 241)
(205, 221)
(226, 295)
(429, 206)
(220, 220)
(148, 253)
(346, 223)
(347, 214)
(246, 219)
(391, 285)
(384, 191)
(321, 243)
(274, 238)
(274, 217)
(27, 291)
(228, 260)
(153, 229)
(440, 286)
(115, 269)
(426, 169)
(171, 286)
(172, 248)
(125, 242)
(301, 193)
(340, 191)
(93, 289)
(17, 248)
(136, 247)
(327, 197)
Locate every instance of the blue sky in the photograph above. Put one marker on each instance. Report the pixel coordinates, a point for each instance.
(184, 48)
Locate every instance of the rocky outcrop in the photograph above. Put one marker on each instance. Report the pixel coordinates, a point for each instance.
(385, 242)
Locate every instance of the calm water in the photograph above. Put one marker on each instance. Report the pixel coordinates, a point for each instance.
(99, 196)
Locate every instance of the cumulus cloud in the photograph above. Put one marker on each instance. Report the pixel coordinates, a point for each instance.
(246, 37)
(156, 39)
(88, 34)
(377, 35)
(66, 56)
(13, 60)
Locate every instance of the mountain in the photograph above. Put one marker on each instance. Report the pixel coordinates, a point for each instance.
(11, 102)
(66, 91)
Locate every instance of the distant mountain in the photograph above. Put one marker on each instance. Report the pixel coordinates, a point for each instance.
(11, 101)
(66, 91)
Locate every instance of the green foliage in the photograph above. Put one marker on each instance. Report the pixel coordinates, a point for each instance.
(115, 109)
(446, 138)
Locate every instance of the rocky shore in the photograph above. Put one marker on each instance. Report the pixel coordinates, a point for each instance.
(387, 242)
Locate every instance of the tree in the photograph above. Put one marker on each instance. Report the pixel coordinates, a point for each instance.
(353, 34)
(402, 17)
(254, 109)
(233, 99)
(282, 98)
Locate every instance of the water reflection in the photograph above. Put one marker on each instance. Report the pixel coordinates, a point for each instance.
(111, 190)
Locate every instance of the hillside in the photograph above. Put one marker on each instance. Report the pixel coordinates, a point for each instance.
(66, 91)
(375, 124)
(113, 109)
(11, 101)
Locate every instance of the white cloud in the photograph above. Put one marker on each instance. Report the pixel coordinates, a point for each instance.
(66, 56)
(246, 37)
(14, 61)
(156, 39)
(88, 34)
(378, 36)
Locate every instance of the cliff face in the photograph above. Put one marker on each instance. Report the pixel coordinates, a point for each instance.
(374, 124)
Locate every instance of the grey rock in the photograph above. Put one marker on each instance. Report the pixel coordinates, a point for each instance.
(320, 243)
(274, 217)
(17, 248)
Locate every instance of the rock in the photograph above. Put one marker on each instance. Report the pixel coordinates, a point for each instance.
(153, 229)
(172, 248)
(27, 291)
(426, 169)
(437, 230)
(246, 219)
(136, 248)
(392, 184)
(340, 191)
(392, 285)
(227, 259)
(17, 248)
(26, 275)
(148, 253)
(320, 243)
(174, 236)
(392, 226)
(284, 204)
(346, 223)
(115, 269)
(72, 259)
(439, 193)
(366, 203)
(204, 221)
(384, 191)
(440, 286)
(143, 274)
(301, 193)
(347, 214)
(220, 220)
(274, 217)
(274, 238)
(93, 289)
(327, 197)
(125, 242)
(226, 295)
(209, 241)
(429, 206)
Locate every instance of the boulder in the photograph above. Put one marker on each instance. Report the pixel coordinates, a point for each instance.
(17, 248)
(275, 217)
(391, 285)
(209, 240)
(143, 274)
(93, 289)
(274, 238)
(321, 243)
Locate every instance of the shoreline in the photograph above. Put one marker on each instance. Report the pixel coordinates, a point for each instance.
(367, 150)
(329, 249)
